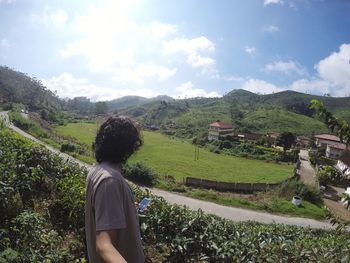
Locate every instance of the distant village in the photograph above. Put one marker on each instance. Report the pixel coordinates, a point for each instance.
(329, 144)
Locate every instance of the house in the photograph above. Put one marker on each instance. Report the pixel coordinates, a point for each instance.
(322, 140)
(249, 136)
(219, 129)
(335, 151)
(343, 165)
(334, 147)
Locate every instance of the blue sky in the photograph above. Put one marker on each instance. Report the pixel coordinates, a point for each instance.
(184, 48)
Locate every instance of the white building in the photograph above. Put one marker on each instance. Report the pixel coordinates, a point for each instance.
(343, 165)
(335, 151)
(219, 129)
(332, 144)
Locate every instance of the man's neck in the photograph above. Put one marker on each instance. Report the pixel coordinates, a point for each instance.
(117, 166)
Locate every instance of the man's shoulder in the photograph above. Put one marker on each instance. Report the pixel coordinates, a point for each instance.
(102, 171)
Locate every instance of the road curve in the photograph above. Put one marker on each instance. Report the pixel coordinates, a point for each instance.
(231, 213)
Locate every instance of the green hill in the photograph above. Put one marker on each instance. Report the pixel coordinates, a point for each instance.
(283, 111)
(17, 87)
(279, 120)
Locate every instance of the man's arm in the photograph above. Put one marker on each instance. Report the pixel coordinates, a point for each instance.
(105, 248)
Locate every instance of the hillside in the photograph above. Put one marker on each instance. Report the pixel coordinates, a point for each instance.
(132, 101)
(17, 87)
(283, 111)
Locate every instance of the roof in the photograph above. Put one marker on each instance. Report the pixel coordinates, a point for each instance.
(340, 146)
(328, 137)
(222, 125)
(249, 136)
(345, 159)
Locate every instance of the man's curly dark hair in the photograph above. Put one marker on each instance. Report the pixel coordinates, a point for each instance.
(116, 140)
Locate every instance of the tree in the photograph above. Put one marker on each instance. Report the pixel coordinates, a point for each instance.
(100, 108)
(286, 140)
(341, 128)
(346, 198)
(236, 113)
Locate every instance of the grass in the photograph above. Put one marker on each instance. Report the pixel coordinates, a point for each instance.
(176, 158)
(279, 120)
(84, 132)
(277, 205)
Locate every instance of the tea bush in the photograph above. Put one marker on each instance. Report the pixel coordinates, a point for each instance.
(50, 228)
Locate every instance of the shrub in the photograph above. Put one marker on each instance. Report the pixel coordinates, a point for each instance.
(140, 173)
(32, 241)
(67, 147)
(294, 187)
(329, 174)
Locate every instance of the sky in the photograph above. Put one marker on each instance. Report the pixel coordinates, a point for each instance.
(184, 48)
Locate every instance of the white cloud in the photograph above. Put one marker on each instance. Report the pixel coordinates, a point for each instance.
(272, 2)
(66, 85)
(56, 18)
(187, 90)
(336, 67)
(260, 86)
(113, 43)
(250, 50)
(189, 46)
(312, 85)
(4, 42)
(138, 74)
(271, 28)
(193, 48)
(286, 67)
(198, 61)
(159, 30)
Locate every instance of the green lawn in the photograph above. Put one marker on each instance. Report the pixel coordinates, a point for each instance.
(176, 158)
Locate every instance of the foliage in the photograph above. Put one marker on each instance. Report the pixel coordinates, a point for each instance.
(286, 140)
(140, 173)
(67, 147)
(178, 233)
(17, 87)
(346, 199)
(329, 175)
(29, 176)
(340, 127)
(294, 187)
(27, 125)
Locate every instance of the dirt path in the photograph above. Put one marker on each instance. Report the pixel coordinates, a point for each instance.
(307, 172)
(232, 213)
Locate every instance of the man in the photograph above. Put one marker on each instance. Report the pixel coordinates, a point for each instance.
(111, 223)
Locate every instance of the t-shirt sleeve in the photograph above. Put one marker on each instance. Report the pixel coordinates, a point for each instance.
(109, 206)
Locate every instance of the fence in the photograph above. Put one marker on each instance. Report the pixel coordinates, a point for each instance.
(236, 187)
(232, 187)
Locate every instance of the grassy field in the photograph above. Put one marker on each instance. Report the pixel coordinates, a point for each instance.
(176, 158)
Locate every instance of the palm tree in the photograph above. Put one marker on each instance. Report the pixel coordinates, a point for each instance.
(340, 127)
(346, 199)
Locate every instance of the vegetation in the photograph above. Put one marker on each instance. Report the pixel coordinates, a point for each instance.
(274, 201)
(280, 112)
(176, 158)
(341, 128)
(17, 87)
(330, 175)
(45, 224)
(139, 173)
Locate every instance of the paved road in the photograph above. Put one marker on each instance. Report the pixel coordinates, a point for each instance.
(307, 172)
(232, 213)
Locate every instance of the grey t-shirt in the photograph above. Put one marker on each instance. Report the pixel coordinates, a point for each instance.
(109, 205)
